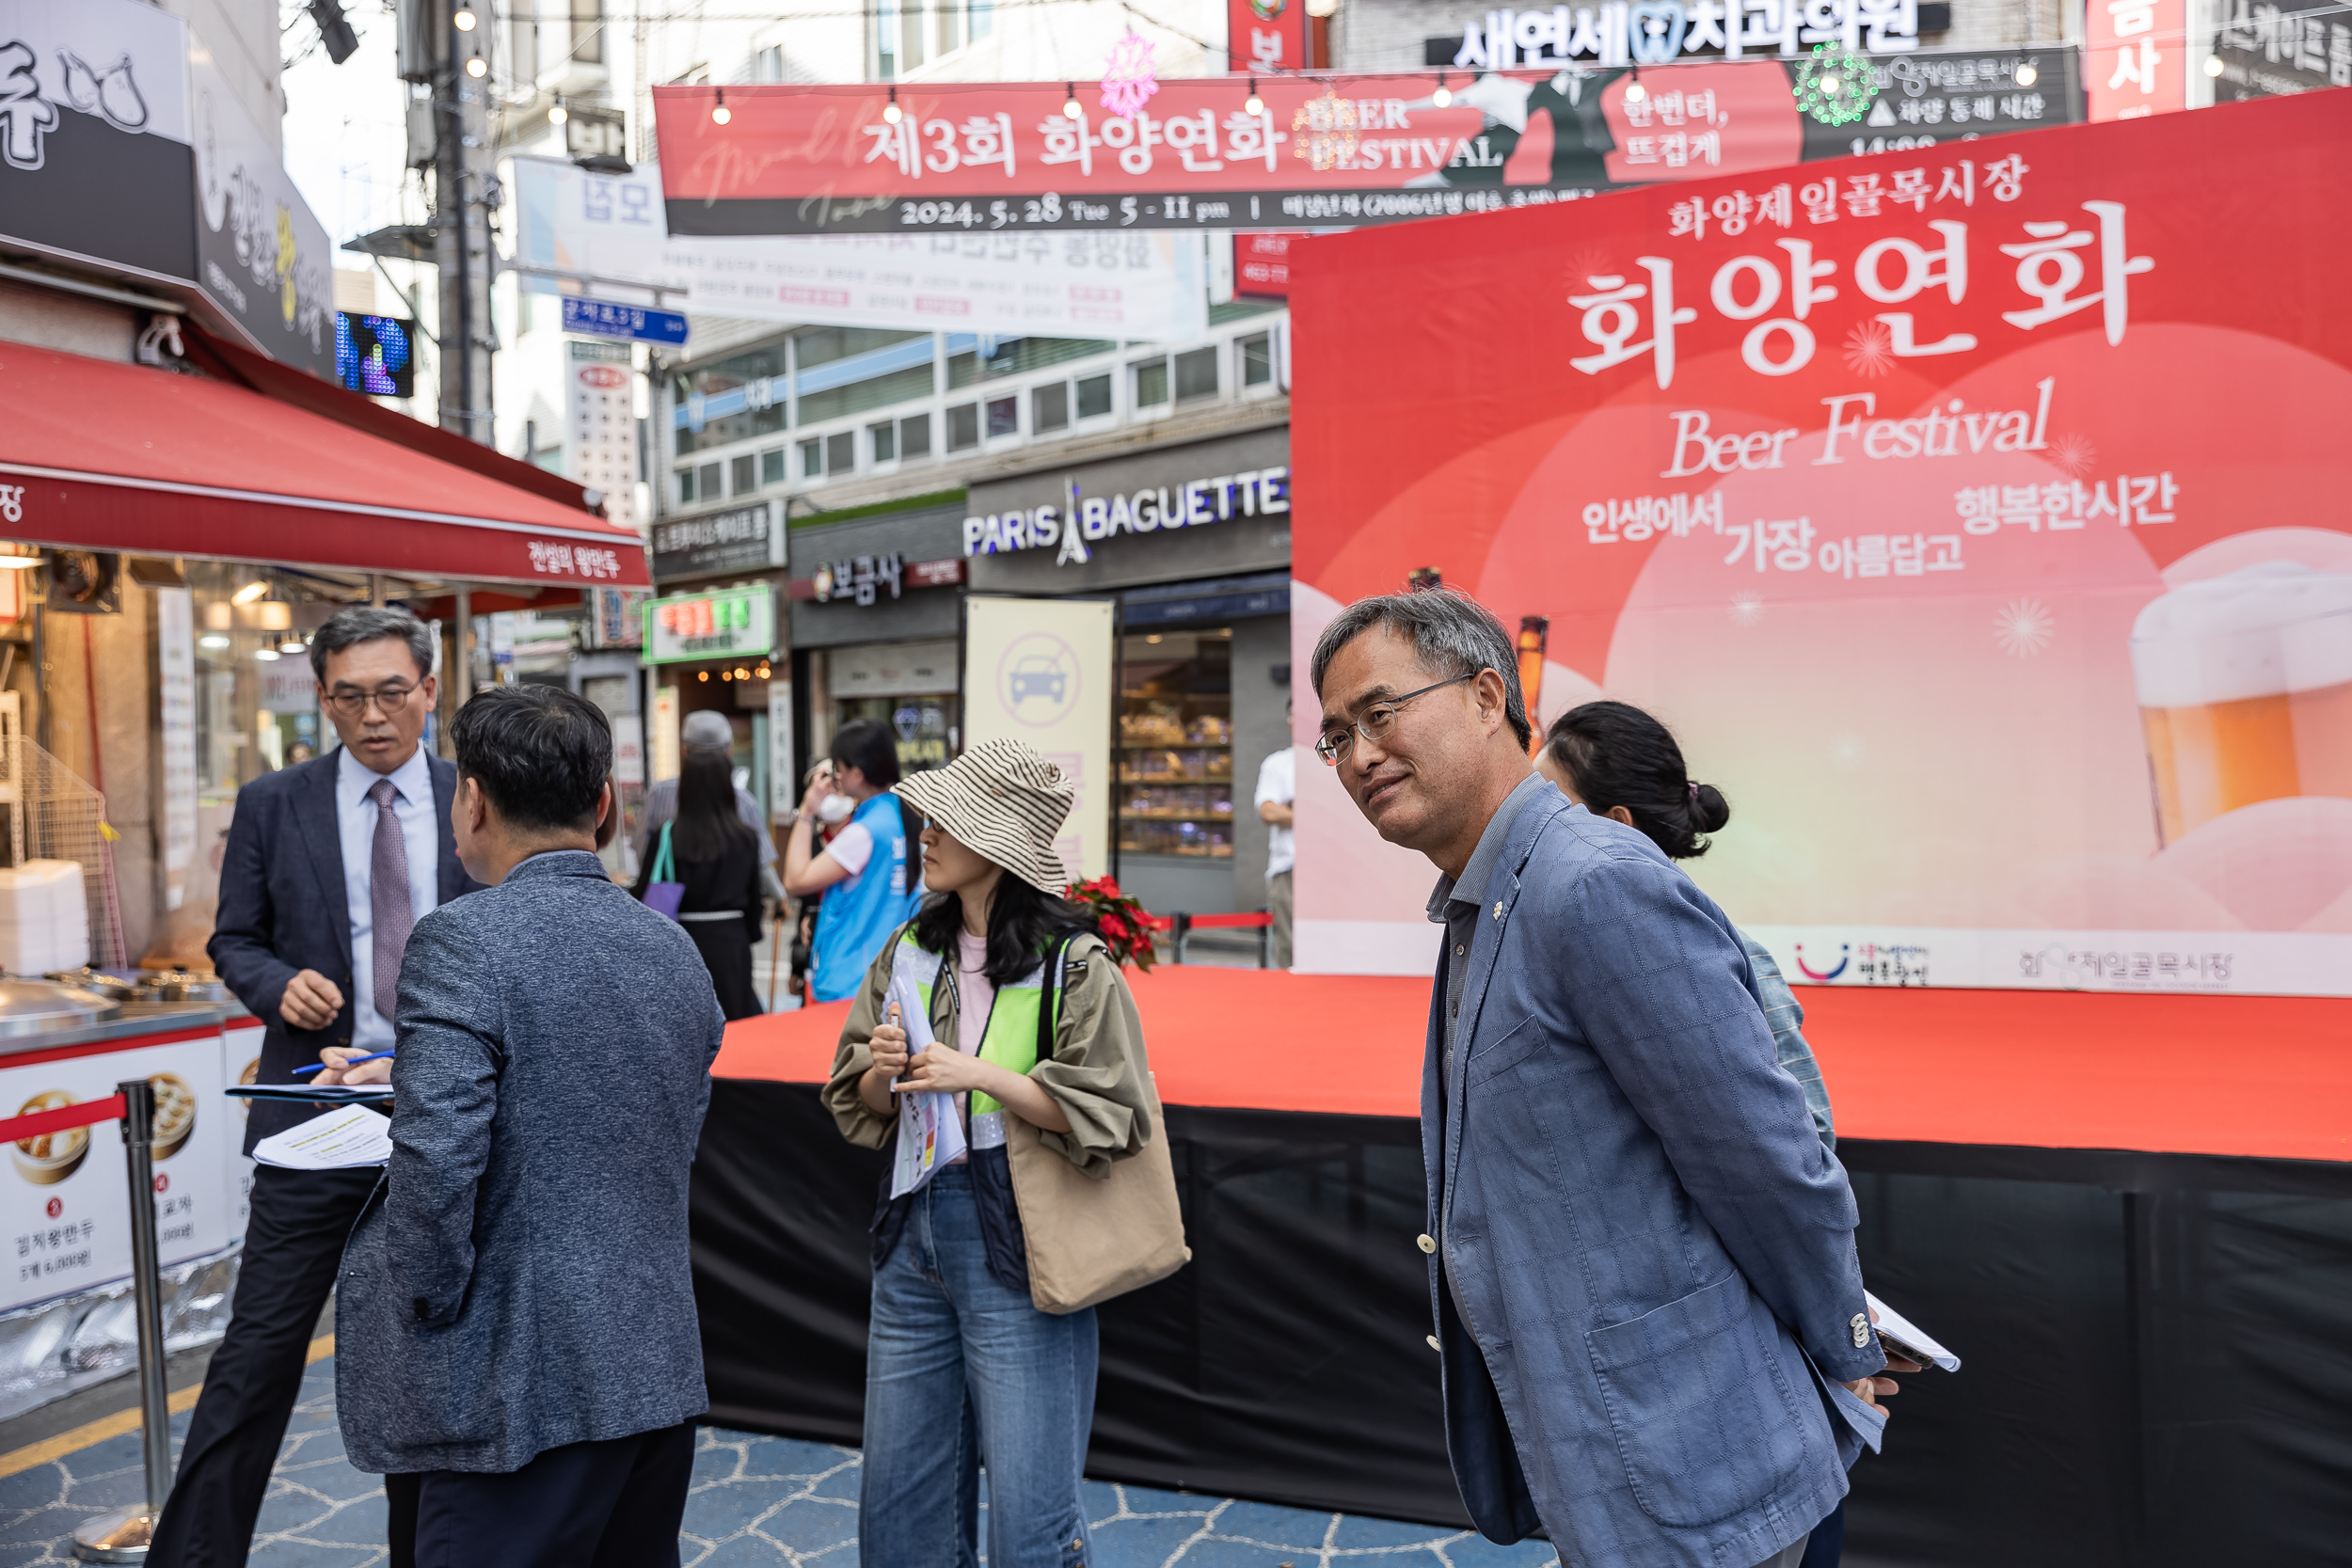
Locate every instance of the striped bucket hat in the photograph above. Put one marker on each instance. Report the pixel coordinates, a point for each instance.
(1003, 800)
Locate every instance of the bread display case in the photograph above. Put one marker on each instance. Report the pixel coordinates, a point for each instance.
(1176, 745)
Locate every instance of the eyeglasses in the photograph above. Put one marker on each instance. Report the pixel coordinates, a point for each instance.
(1376, 724)
(388, 700)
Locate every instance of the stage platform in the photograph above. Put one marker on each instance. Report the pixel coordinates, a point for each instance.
(2261, 1076)
(2130, 1216)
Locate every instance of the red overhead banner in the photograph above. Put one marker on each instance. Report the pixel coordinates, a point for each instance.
(1975, 515)
(981, 157)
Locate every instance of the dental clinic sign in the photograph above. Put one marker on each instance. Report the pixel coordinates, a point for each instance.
(1079, 521)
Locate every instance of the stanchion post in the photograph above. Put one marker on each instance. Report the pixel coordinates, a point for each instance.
(123, 1536)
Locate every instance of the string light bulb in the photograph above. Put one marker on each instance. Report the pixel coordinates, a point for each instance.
(1444, 95)
(720, 112)
(464, 19)
(558, 115)
(2027, 75)
(2213, 65)
(1253, 104)
(477, 68)
(892, 114)
(1070, 109)
(1635, 92)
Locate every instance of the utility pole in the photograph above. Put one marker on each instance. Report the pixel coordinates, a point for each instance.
(465, 186)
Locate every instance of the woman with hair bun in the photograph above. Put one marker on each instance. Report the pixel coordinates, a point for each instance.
(1616, 761)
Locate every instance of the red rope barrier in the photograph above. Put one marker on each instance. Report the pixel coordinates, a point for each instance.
(88, 1112)
(1212, 922)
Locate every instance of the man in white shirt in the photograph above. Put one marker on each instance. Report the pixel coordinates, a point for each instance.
(1278, 796)
(328, 866)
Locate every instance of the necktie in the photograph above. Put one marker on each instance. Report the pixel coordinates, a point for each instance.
(391, 912)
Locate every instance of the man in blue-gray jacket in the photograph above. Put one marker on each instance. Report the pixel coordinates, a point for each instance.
(1649, 1313)
(515, 1326)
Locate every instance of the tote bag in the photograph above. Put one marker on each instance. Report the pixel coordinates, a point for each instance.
(663, 894)
(1090, 1238)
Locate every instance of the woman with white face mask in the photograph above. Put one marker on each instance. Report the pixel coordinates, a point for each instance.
(864, 874)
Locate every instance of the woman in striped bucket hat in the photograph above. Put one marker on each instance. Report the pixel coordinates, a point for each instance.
(1033, 1019)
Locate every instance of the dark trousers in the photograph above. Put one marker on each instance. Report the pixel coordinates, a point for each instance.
(615, 1504)
(293, 1244)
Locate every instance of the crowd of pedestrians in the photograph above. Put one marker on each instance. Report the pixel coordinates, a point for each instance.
(1649, 1310)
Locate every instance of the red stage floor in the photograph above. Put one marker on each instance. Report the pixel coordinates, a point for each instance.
(2267, 1076)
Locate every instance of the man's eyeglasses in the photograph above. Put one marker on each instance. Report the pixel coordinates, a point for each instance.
(1376, 724)
(388, 700)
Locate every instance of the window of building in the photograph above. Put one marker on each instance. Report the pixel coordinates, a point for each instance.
(1150, 383)
(885, 441)
(767, 64)
(706, 482)
(772, 466)
(972, 360)
(738, 397)
(841, 453)
(1049, 407)
(983, 18)
(1094, 397)
(740, 480)
(686, 486)
(1257, 359)
(1003, 417)
(1196, 374)
(588, 31)
(914, 435)
(840, 371)
(963, 426)
(812, 459)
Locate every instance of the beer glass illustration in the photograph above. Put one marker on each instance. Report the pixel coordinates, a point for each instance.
(2245, 684)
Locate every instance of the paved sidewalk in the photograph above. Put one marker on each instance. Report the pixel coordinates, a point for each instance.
(757, 1500)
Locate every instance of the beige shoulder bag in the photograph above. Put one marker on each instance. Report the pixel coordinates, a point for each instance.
(1090, 1239)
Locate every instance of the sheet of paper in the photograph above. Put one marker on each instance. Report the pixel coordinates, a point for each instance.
(1901, 1333)
(354, 1135)
(930, 1134)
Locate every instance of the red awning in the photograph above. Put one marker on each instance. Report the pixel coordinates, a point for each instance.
(120, 457)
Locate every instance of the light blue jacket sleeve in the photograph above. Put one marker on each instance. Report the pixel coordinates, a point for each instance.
(1787, 1018)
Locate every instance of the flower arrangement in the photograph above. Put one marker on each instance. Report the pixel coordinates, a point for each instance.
(1126, 924)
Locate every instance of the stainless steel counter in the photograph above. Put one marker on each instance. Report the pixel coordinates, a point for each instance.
(139, 1018)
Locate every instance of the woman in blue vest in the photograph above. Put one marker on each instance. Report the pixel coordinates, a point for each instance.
(1031, 1018)
(869, 887)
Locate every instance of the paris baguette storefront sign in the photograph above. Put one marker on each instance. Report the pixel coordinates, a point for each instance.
(1092, 509)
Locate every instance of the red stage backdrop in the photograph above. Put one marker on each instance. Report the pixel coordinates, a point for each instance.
(1977, 517)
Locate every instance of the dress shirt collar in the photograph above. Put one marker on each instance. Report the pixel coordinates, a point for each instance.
(1481, 869)
(413, 778)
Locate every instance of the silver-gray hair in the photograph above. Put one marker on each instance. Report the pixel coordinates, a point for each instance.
(357, 624)
(1452, 633)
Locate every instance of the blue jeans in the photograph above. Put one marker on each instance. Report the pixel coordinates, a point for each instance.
(960, 1371)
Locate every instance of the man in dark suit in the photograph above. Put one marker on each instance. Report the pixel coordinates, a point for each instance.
(515, 1329)
(330, 866)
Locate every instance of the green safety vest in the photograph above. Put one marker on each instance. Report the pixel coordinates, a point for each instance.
(1010, 1040)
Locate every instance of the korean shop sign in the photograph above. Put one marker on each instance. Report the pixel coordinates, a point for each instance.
(1080, 523)
(741, 538)
(721, 624)
(1658, 32)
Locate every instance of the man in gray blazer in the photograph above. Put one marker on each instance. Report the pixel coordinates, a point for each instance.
(515, 1326)
(1649, 1314)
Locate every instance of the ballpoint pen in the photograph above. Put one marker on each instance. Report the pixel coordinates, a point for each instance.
(355, 1061)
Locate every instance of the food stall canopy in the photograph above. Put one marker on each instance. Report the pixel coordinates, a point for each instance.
(104, 456)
